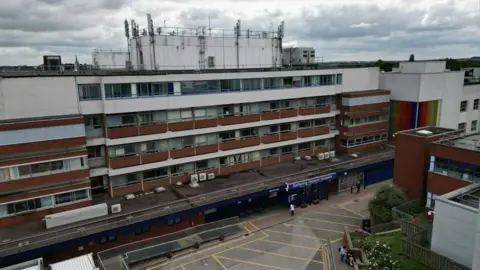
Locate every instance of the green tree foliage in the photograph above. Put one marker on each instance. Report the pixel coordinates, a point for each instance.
(385, 199)
(411, 58)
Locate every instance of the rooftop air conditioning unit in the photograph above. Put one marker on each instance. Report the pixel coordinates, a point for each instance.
(332, 154)
(159, 189)
(116, 208)
(194, 181)
(211, 176)
(202, 177)
(321, 156)
(298, 158)
(327, 155)
(307, 158)
(129, 197)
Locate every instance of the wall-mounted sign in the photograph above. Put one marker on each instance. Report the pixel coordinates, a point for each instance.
(311, 181)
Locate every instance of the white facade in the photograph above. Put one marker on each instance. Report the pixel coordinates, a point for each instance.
(430, 81)
(37, 97)
(298, 56)
(352, 80)
(451, 238)
(56, 96)
(110, 59)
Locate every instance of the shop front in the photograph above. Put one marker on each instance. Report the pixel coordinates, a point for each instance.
(310, 190)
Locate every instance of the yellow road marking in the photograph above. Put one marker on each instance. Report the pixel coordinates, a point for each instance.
(183, 267)
(337, 215)
(351, 211)
(332, 222)
(313, 228)
(255, 226)
(220, 263)
(297, 235)
(324, 258)
(205, 257)
(336, 240)
(286, 244)
(246, 229)
(279, 255)
(253, 263)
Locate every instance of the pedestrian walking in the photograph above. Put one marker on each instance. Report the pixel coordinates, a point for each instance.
(358, 186)
(342, 251)
(292, 209)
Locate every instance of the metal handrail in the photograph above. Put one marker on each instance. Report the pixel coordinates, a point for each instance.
(136, 216)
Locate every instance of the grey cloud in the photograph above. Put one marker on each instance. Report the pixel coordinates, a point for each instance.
(71, 27)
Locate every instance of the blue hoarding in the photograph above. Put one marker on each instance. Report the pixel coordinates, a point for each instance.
(311, 181)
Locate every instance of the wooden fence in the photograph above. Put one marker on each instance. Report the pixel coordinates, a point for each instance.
(414, 245)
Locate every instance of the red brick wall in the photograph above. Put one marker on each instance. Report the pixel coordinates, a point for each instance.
(440, 184)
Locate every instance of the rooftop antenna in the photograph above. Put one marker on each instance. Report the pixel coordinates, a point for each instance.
(151, 33)
(209, 27)
(127, 30)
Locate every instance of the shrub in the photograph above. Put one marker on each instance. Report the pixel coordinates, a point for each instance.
(379, 255)
(387, 197)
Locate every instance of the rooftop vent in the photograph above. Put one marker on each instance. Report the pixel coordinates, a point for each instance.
(424, 132)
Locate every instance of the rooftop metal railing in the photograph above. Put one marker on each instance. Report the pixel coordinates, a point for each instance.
(123, 219)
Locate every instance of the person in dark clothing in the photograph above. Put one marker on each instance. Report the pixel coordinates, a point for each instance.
(358, 186)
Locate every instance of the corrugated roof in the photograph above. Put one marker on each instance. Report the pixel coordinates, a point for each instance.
(84, 262)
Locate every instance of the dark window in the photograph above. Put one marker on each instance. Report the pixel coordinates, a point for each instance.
(89, 92)
(118, 90)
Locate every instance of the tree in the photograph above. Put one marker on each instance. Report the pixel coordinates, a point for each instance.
(411, 58)
(380, 207)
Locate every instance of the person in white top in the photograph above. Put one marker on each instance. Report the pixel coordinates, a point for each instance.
(292, 209)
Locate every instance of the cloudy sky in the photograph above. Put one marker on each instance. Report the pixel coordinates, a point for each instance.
(338, 29)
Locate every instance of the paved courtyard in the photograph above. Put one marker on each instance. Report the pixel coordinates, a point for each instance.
(295, 244)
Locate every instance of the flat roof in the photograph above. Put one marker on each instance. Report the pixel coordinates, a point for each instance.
(468, 196)
(170, 201)
(469, 142)
(426, 132)
(193, 70)
(84, 262)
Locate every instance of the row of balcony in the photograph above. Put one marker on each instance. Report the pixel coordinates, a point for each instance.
(223, 170)
(162, 155)
(162, 127)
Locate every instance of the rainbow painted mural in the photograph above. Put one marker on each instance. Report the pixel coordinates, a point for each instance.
(407, 115)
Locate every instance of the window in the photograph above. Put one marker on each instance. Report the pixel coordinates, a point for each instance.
(251, 84)
(40, 168)
(93, 122)
(155, 174)
(272, 83)
(461, 126)
(463, 106)
(71, 197)
(128, 120)
(229, 85)
(120, 90)
(94, 152)
(201, 165)
(475, 104)
(287, 149)
(304, 146)
(474, 125)
(364, 140)
(339, 78)
(152, 89)
(25, 206)
(285, 127)
(89, 92)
